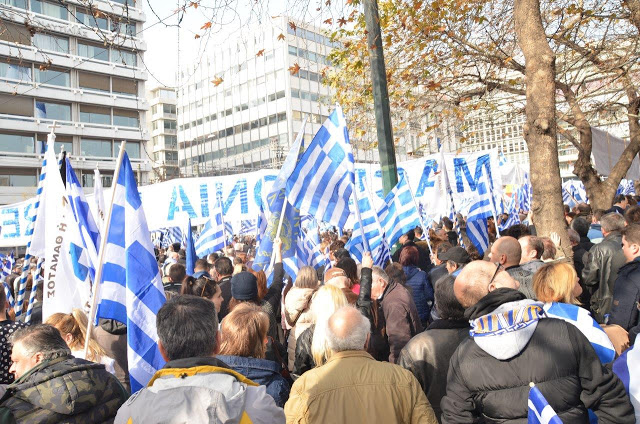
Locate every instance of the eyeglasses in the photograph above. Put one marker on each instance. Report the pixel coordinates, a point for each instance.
(498, 266)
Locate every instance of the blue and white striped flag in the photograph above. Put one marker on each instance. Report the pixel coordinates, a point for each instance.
(7, 264)
(524, 195)
(626, 187)
(308, 253)
(371, 230)
(248, 226)
(581, 318)
(398, 214)
(502, 160)
(212, 236)
(131, 290)
(627, 368)
(514, 217)
(477, 228)
(540, 412)
(323, 180)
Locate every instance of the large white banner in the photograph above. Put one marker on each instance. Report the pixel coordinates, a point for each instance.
(166, 204)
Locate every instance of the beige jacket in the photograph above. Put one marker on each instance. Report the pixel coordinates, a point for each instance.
(352, 387)
(297, 304)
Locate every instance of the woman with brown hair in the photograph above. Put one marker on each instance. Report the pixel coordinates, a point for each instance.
(203, 287)
(243, 347)
(73, 329)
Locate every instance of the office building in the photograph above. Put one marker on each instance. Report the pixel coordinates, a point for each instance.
(162, 124)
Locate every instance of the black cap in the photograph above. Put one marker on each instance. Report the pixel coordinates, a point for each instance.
(456, 254)
(244, 286)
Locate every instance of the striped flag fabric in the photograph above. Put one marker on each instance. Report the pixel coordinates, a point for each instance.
(627, 368)
(247, 226)
(480, 211)
(524, 195)
(191, 255)
(212, 236)
(514, 217)
(8, 295)
(581, 318)
(502, 159)
(540, 412)
(398, 214)
(323, 179)
(371, 230)
(131, 289)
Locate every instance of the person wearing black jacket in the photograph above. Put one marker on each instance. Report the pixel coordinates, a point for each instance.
(223, 273)
(424, 263)
(490, 373)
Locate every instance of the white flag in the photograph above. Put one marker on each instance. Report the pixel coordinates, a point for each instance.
(98, 198)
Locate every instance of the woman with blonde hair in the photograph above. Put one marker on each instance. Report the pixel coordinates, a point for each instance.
(73, 329)
(556, 284)
(312, 349)
(243, 347)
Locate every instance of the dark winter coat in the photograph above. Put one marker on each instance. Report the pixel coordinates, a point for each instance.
(525, 278)
(421, 290)
(261, 371)
(579, 255)
(551, 353)
(427, 356)
(401, 318)
(304, 358)
(600, 273)
(437, 272)
(626, 299)
(63, 390)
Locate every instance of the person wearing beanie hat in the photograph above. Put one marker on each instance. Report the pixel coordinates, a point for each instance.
(244, 289)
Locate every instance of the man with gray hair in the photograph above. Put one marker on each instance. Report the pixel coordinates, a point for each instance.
(352, 387)
(53, 386)
(601, 265)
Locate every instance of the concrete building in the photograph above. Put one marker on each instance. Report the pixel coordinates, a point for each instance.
(162, 125)
(80, 67)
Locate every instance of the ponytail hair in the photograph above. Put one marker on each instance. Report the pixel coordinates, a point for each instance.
(201, 287)
(76, 324)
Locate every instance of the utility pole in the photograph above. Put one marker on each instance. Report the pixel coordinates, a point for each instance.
(380, 97)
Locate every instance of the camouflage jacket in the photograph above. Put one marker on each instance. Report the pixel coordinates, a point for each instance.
(63, 390)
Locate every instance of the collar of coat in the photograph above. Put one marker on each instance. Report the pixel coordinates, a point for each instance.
(187, 367)
(336, 356)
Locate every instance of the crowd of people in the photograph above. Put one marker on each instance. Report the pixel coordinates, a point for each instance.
(450, 336)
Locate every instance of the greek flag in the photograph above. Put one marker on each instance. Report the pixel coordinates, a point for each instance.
(281, 212)
(540, 412)
(477, 229)
(581, 318)
(398, 214)
(370, 230)
(7, 265)
(626, 187)
(212, 236)
(131, 290)
(514, 217)
(524, 195)
(190, 249)
(247, 226)
(308, 253)
(502, 160)
(323, 179)
(8, 295)
(627, 368)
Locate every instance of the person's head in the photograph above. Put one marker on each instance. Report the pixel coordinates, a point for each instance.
(73, 329)
(456, 258)
(244, 332)
(175, 247)
(440, 250)
(549, 252)
(447, 223)
(557, 282)
(261, 279)
(479, 278)
(441, 234)
(411, 235)
(630, 242)
(517, 231)
(33, 345)
(327, 300)
(409, 256)
(632, 215)
(447, 304)
(177, 272)
(211, 259)
(418, 231)
(187, 327)
(532, 248)
(335, 245)
(396, 274)
(307, 278)
(580, 225)
(380, 281)
(597, 215)
(201, 265)
(203, 287)
(506, 251)
(350, 269)
(621, 200)
(612, 222)
(333, 273)
(583, 209)
(341, 253)
(244, 288)
(347, 329)
(223, 267)
(574, 237)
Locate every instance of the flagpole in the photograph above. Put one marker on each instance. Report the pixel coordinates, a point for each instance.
(280, 221)
(415, 204)
(224, 227)
(103, 244)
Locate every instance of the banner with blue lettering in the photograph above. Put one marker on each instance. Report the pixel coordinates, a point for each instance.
(166, 203)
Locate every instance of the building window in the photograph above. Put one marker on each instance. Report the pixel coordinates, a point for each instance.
(15, 72)
(17, 143)
(53, 76)
(97, 20)
(96, 148)
(169, 125)
(133, 149)
(21, 4)
(93, 51)
(126, 118)
(95, 115)
(13, 180)
(124, 86)
(127, 28)
(168, 108)
(14, 33)
(62, 143)
(93, 81)
(57, 111)
(171, 141)
(49, 9)
(51, 42)
(124, 57)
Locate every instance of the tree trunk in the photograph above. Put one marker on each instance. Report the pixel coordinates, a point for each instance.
(540, 127)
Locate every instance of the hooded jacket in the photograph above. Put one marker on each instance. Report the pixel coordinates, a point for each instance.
(200, 390)
(421, 290)
(512, 345)
(63, 390)
(600, 272)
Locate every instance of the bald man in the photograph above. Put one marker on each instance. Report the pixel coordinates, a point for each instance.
(507, 252)
(352, 387)
(512, 343)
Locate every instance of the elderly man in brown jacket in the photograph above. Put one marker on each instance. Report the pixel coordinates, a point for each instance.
(354, 388)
